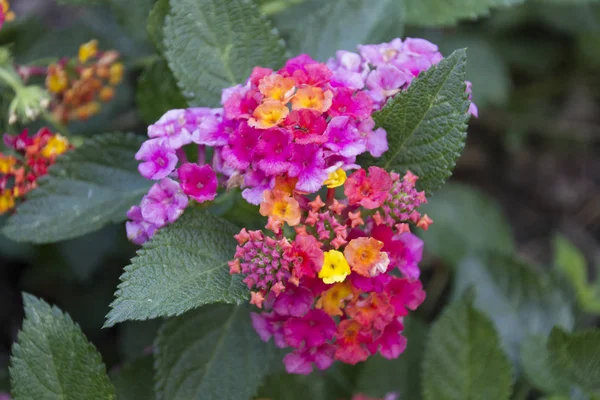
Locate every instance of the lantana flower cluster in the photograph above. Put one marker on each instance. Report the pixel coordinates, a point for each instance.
(335, 278)
(78, 86)
(6, 14)
(30, 158)
(302, 122)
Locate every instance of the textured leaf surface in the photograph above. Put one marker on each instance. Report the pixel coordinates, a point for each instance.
(156, 23)
(380, 376)
(52, 359)
(576, 357)
(426, 124)
(449, 12)
(212, 44)
(458, 229)
(157, 92)
(463, 358)
(87, 188)
(212, 353)
(520, 300)
(184, 266)
(535, 359)
(319, 28)
(135, 381)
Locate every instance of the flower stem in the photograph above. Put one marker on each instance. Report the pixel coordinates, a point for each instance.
(330, 196)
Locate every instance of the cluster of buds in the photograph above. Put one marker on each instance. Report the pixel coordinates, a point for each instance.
(339, 287)
(78, 86)
(6, 14)
(304, 121)
(31, 156)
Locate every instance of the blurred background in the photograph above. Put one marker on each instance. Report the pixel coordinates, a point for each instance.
(530, 170)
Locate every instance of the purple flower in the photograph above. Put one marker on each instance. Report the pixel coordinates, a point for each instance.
(164, 203)
(159, 159)
(300, 361)
(344, 137)
(377, 143)
(294, 302)
(240, 150)
(208, 128)
(413, 253)
(380, 54)
(255, 183)
(173, 127)
(473, 110)
(198, 182)
(417, 55)
(138, 230)
(349, 70)
(269, 325)
(386, 81)
(314, 329)
(307, 164)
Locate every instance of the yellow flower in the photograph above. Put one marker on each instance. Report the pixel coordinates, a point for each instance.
(57, 79)
(312, 97)
(8, 14)
(7, 201)
(88, 50)
(6, 164)
(268, 115)
(335, 267)
(116, 74)
(333, 299)
(336, 178)
(56, 145)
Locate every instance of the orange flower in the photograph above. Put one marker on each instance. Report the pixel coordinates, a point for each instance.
(312, 97)
(333, 299)
(276, 87)
(268, 114)
(365, 256)
(285, 184)
(8, 14)
(6, 164)
(56, 146)
(56, 80)
(280, 207)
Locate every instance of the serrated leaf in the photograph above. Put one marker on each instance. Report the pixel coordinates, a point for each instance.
(156, 23)
(213, 44)
(319, 28)
(380, 376)
(535, 359)
(463, 358)
(212, 353)
(184, 266)
(570, 263)
(86, 189)
(52, 359)
(432, 13)
(519, 299)
(426, 124)
(458, 228)
(157, 92)
(135, 381)
(576, 357)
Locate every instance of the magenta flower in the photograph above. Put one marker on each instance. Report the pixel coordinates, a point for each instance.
(307, 164)
(346, 102)
(274, 151)
(314, 329)
(242, 144)
(386, 81)
(344, 137)
(405, 294)
(164, 203)
(269, 325)
(294, 302)
(307, 126)
(200, 183)
(159, 159)
(255, 183)
(390, 343)
(413, 253)
(300, 361)
(173, 127)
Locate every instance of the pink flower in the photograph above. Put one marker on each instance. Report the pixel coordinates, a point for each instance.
(242, 145)
(164, 203)
(294, 302)
(307, 126)
(417, 55)
(240, 102)
(349, 70)
(274, 150)
(305, 70)
(347, 102)
(344, 138)
(269, 325)
(390, 343)
(473, 110)
(314, 329)
(386, 81)
(305, 256)
(300, 361)
(307, 164)
(138, 230)
(255, 183)
(173, 127)
(200, 183)
(370, 192)
(258, 73)
(350, 341)
(377, 143)
(208, 127)
(405, 294)
(413, 253)
(159, 159)
(380, 54)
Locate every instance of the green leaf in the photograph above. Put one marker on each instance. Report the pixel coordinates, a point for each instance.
(86, 189)
(157, 92)
(426, 124)
(213, 44)
(184, 266)
(82, 2)
(458, 228)
(576, 357)
(448, 12)
(136, 337)
(135, 381)
(156, 23)
(463, 358)
(535, 359)
(319, 28)
(519, 299)
(402, 375)
(212, 353)
(52, 359)
(570, 263)
(133, 16)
